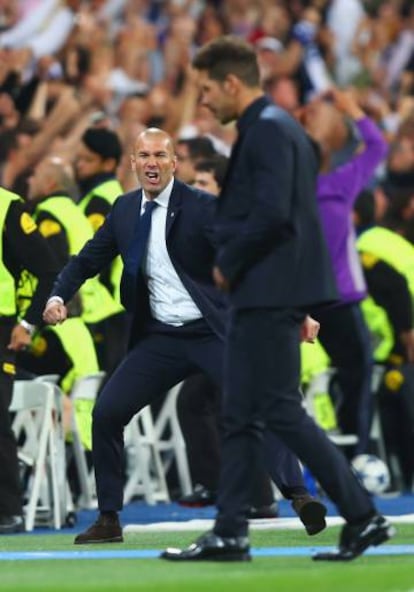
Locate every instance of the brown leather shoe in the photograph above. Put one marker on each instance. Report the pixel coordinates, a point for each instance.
(105, 530)
(311, 512)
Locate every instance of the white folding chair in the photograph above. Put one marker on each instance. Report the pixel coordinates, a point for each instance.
(36, 416)
(145, 470)
(53, 378)
(319, 386)
(85, 388)
(67, 506)
(171, 443)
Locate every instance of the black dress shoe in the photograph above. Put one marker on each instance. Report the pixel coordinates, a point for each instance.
(199, 498)
(105, 530)
(211, 547)
(11, 524)
(311, 512)
(356, 539)
(270, 511)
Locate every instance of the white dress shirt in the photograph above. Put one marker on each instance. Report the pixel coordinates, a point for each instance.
(170, 302)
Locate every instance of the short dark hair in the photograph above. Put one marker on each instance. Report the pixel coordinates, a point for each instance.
(229, 55)
(198, 147)
(216, 165)
(104, 142)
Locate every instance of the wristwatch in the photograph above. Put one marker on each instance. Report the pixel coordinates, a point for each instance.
(28, 327)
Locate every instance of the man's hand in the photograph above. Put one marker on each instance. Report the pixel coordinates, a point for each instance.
(309, 330)
(55, 313)
(221, 282)
(20, 338)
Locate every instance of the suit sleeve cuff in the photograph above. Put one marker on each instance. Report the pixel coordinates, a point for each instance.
(56, 299)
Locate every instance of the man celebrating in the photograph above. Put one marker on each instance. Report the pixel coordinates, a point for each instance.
(163, 234)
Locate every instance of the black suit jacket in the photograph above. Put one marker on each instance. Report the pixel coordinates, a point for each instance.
(270, 241)
(190, 245)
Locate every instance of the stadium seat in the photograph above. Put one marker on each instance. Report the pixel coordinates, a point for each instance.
(67, 505)
(36, 428)
(145, 470)
(85, 389)
(318, 405)
(170, 440)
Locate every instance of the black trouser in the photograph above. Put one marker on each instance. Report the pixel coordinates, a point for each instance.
(345, 337)
(396, 407)
(10, 489)
(198, 410)
(261, 389)
(162, 359)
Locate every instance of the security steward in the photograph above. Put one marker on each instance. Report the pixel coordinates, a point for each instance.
(66, 229)
(21, 247)
(388, 262)
(97, 159)
(68, 352)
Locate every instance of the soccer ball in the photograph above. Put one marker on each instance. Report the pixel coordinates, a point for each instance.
(372, 472)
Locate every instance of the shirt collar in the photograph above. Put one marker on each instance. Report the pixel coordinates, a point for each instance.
(252, 112)
(163, 198)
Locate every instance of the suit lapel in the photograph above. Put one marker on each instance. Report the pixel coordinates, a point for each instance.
(174, 207)
(131, 230)
(230, 165)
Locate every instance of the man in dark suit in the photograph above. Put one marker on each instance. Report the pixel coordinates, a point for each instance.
(178, 315)
(274, 264)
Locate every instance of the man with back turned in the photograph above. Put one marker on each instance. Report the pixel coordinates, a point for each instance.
(273, 263)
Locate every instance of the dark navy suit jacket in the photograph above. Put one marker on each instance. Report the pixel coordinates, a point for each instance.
(269, 235)
(190, 245)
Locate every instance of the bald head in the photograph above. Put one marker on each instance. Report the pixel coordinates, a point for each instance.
(155, 134)
(153, 161)
(51, 175)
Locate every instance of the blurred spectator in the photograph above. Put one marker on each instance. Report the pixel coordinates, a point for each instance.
(189, 151)
(343, 332)
(43, 30)
(210, 173)
(400, 165)
(212, 23)
(399, 216)
(283, 90)
(388, 260)
(344, 19)
(9, 14)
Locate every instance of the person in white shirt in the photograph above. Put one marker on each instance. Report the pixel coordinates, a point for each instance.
(163, 234)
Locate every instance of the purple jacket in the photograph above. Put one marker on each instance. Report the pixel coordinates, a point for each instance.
(336, 193)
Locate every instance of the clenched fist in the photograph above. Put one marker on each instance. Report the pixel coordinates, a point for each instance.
(55, 313)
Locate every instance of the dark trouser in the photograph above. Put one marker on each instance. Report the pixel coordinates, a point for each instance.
(396, 408)
(345, 336)
(198, 409)
(165, 357)
(261, 388)
(158, 361)
(10, 490)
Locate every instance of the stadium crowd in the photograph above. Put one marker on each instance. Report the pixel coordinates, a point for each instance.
(79, 80)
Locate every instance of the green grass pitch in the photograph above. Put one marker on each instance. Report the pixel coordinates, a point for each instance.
(273, 574)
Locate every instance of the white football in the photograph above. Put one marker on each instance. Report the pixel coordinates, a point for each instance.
(372, 472)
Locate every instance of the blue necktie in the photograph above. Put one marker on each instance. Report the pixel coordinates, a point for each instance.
(140, 238)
